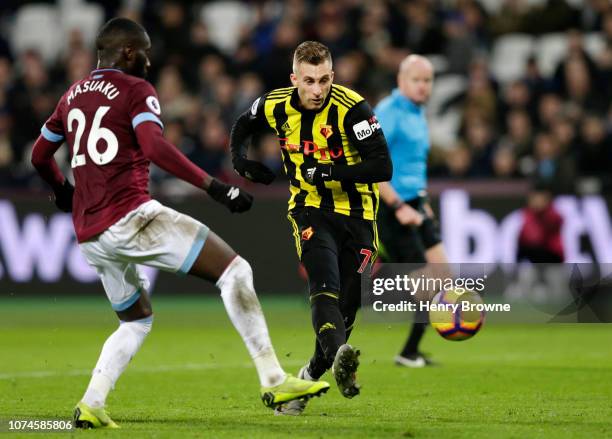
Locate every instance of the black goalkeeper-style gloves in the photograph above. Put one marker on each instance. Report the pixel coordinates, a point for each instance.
(63, 196)
(233, 197)
(253, 170)
(318, 173)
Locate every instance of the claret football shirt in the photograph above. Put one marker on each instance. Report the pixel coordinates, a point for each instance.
(97, 117)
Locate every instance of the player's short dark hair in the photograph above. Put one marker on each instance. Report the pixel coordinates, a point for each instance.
(311, 52)
(117, 32)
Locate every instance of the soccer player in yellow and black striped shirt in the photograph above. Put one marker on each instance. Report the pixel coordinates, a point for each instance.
(334, 153)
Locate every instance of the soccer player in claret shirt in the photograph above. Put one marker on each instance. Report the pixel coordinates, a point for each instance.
(334, 153)
(110, 121)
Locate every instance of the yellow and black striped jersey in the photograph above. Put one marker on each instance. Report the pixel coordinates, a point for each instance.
(344, 131)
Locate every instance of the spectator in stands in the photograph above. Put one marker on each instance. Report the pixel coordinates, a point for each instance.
(6, 148)
(604, 64)
(225, 101)
(606, 25)
(458, 162)
(31, 101)
(479, 139)
(249, 88)
(592, 14)
(579, 88)
(577, 76)
(171, 35)
(575, 51)
(519, 133)
(595, 149)
(332, 29)
(276, 65)
(550, 16)
(422, 33)
(211, 68)
(212, 147)
(461, 44)
(78, 65)
(6, 80)
(517, 97)
(349, 70)
(479, 100)
(534, 80)
(551, 166)
(540, 238)
(549, 106)
(269, 155)
(173, 97)
(510, 18)
(564, 133)
(206, 71)
(504, 162)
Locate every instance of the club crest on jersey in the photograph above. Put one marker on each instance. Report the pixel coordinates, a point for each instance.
(326, 131)
(307, 234)
(153, 104)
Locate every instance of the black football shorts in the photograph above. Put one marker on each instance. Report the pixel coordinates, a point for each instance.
(407, 244)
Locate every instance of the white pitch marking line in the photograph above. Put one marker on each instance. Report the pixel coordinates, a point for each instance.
(160, 368)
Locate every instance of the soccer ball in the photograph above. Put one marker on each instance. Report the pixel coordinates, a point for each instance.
(452, 317)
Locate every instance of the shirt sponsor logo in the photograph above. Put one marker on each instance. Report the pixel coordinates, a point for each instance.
(153, 104)
(308, 147)
(366, 128)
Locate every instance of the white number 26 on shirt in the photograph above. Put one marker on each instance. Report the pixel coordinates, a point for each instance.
(96, 133)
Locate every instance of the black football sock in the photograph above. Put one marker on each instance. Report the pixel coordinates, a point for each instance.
(349, 324)
(318, 363)
(328, 324)
(412, 344)
(416, 334)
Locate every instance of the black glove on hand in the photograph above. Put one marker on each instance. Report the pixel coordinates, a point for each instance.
(318, 174)
(63, 196)
(236, 199)
(253, 170)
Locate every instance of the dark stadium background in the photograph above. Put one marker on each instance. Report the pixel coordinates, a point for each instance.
(522, 93)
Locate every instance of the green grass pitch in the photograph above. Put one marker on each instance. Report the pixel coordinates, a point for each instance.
(192, 378)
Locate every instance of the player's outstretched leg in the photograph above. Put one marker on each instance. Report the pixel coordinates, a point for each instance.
(346, 361)
(233, 275)
(319, 364)
(321, 264)
(118, 350)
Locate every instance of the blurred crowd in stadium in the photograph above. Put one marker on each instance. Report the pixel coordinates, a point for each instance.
(523, 87)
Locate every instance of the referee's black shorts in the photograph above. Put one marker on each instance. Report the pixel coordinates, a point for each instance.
(406, 244)
(334, 249)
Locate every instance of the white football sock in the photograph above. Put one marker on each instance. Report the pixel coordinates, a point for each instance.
(244, 310)
(117, 352)
(307, 376)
